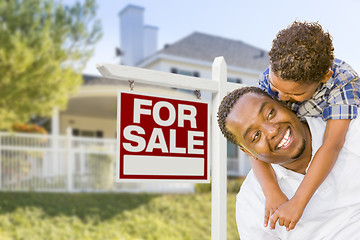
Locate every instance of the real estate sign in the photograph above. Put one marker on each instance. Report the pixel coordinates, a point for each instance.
(161, 138)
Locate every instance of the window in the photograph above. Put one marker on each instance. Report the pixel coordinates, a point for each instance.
(234, 80)
(185, 72)
(87, 133)
(232, 150)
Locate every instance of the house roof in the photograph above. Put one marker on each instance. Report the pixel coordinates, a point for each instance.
(99, 80)
(206, 47)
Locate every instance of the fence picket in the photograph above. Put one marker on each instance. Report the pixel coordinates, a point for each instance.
(35, 162)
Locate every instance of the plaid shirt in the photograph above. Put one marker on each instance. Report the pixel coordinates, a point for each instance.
(337, 98)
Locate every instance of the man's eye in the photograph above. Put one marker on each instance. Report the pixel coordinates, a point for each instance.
(256, 135)
(271, 114)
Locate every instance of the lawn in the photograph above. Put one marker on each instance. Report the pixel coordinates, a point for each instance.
(113, 216)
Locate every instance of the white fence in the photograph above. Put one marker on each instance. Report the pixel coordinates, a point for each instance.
(33, 162)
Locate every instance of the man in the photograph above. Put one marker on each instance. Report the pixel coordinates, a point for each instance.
(270, 132)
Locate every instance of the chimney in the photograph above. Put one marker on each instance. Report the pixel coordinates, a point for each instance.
(150, 40)
(137, 41)
(132, 34)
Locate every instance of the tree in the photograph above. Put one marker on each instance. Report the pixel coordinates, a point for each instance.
(44, 46)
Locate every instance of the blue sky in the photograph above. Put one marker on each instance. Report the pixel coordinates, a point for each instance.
(255, 22)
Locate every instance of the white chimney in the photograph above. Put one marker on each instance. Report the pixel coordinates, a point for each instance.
(132, 34)
(137, 41)
(150, 40)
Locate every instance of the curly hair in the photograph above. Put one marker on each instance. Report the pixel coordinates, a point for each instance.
(227, 104)
(302, 52)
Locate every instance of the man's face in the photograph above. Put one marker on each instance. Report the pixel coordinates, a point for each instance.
(266, 129)
(292, 91)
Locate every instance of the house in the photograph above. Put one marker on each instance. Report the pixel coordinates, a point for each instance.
(92, 112)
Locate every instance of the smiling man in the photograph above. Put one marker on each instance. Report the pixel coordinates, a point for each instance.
(267, 130)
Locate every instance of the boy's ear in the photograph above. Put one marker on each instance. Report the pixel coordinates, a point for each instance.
(327, 76)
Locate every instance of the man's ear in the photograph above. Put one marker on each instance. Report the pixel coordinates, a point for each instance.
(249, 154)
(246, 151)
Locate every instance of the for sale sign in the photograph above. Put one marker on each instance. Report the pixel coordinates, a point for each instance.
(162, 138)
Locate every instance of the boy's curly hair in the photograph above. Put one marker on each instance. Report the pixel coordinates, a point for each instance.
(227, 104)
(302, 52)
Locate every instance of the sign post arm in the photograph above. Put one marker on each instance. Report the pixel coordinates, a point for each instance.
(219, 157)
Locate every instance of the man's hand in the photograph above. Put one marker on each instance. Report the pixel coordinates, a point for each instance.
(287, 214)
(272, 203)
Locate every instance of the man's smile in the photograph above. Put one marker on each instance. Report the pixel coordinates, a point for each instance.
(286, 140)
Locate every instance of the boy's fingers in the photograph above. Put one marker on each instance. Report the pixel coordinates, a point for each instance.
(266, 218)
(273, 220)
(281, 222)
(291, 226)
(286, 224)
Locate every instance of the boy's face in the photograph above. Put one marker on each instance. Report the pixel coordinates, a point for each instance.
(292, 91)
(267, 129)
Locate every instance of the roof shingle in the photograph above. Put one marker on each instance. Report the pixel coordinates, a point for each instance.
(206, 47)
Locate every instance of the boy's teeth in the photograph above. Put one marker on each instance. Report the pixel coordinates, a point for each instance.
(285, 139)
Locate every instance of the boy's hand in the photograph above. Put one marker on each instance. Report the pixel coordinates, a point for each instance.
(272, 203)
(287, 214)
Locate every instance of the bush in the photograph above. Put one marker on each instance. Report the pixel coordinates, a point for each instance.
(203, 187)
(233, 185)
(101, 170)
(28, 128)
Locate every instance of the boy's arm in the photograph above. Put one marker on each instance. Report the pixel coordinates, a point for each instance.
(323, 161)
(274, 197)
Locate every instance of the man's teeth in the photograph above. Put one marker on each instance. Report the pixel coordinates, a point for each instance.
(285, 140)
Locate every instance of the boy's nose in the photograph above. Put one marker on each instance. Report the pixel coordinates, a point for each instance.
(283, 96)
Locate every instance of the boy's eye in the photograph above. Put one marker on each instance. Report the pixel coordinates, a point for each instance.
(256, 136)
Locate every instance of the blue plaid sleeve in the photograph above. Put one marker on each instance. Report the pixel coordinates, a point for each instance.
(263, 80)
(343, 102)
(265, 85)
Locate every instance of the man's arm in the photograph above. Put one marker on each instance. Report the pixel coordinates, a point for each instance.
(274, 197)
(334, 137)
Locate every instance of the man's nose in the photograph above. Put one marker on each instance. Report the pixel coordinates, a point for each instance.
(283, 96)
(271, 130)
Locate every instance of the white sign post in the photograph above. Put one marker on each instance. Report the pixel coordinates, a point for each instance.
(218, 86)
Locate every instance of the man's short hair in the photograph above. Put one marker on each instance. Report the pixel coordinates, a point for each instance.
(227, 104)
(302, 52)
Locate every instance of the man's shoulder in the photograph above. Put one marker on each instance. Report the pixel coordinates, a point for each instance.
(317, 129)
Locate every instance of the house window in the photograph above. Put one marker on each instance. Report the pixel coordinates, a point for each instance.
(99, 134)
(232, 150)
(234, 80)
(185, 72)
(196, 74)
(87, 133)
(232, 159)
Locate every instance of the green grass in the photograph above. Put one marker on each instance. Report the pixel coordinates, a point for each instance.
(55, 216)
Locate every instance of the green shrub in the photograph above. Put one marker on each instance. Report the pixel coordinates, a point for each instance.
(233, 185)
(203, 187)
(101, 171)
(110, 216)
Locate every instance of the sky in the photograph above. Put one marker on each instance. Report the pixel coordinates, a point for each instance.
(254, 22)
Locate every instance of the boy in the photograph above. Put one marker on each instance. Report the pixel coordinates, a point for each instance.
(304, 74)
